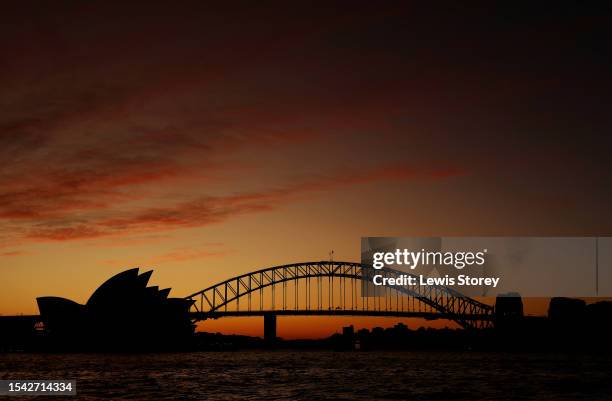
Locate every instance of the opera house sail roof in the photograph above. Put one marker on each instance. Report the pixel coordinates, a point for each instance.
(122, 313)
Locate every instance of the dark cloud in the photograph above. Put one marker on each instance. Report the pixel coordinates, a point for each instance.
(107, 111)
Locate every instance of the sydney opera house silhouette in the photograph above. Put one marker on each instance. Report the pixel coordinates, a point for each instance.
(122, 314)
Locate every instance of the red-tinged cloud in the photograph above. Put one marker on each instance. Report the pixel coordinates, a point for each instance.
(217, 209)
(178, 255)
(184, 255)
(80, 231)
(13, 253)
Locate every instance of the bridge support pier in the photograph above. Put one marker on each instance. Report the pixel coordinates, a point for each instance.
(269, 328)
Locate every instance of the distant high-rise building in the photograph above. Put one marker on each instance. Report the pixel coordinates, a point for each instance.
(348, 331)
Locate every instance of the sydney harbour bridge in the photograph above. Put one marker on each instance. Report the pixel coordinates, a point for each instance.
(334, 289)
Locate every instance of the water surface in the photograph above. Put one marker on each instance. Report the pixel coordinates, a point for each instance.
(321, 375)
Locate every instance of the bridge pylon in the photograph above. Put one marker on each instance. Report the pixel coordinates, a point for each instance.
(270, 328)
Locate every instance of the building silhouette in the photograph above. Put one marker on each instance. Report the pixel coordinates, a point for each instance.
(122, 314)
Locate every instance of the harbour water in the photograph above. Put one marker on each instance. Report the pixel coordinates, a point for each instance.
(320, 375)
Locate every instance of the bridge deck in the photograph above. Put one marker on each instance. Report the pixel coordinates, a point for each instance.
(424, 315)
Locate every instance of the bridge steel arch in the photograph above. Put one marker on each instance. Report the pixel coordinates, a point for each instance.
(355, 295)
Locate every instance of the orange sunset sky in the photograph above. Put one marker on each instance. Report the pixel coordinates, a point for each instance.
(204, 141)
